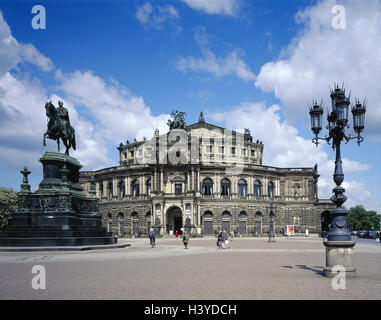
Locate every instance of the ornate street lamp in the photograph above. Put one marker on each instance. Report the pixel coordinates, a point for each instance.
(272, 209)
(339, 247)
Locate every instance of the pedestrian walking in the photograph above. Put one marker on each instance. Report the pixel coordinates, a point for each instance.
(151, 236)
(177, 234)
(219, 240)
(186, 240)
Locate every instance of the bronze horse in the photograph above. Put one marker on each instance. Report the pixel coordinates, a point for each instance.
(56, 131)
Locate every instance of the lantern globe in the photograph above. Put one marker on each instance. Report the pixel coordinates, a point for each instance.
(316, 114)
(358, 112)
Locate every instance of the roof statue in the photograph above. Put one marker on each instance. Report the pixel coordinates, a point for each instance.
(59, 126)
(247, 135)
(201, 117)
(178, 121)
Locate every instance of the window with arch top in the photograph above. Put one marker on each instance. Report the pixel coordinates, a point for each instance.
(135, 188)
(122, 189)
(225, 187)
(270, 189)
(148, 186)
(257, 188)
(242, 188)
(207, 187)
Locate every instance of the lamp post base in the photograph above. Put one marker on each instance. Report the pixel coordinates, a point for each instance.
(339, 258)
(272, 239)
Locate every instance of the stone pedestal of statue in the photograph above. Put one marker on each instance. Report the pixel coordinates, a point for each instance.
(58, 213)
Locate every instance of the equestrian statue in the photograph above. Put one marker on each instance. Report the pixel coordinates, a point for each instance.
(59, 126)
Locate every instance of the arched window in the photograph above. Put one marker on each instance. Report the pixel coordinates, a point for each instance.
(226, 214)
(242, 215)
(148, 186)
(225, 187)
(257, 188)
(122, 189)
(258, 224)
(226, 217)
(207, 187)
(270, 189)
(109, 190)
(242, 186)
(208, 215)
(208, 223)
(242, 223)
(135, 188)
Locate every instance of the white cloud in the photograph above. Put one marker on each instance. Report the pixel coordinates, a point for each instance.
(220, 7)
(232, 64)
(155, 16)
(357, 194)
(103, 113)
(30, 54)
(321, 55)
(117, 114)
(12, 52)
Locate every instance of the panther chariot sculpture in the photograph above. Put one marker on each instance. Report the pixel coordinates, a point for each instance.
(59, 126)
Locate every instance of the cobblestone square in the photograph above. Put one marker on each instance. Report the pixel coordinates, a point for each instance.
(290, 268)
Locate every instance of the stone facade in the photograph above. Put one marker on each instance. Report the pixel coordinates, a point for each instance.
(203, 180)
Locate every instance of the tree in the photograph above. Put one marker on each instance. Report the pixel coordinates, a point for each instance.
(8, 201)
(361, 219)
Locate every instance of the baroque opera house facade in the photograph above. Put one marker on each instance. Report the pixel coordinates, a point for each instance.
(202, 179)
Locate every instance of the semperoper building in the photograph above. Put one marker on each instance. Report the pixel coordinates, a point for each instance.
(202, 179)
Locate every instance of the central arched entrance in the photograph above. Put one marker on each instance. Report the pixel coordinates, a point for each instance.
(174, 220)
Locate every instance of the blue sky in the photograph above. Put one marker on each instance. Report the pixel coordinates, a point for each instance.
(122, 66)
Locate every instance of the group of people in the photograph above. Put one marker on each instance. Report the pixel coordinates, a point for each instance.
(152, 238)
(223, 239)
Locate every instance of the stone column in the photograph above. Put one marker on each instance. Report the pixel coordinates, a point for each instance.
(97, 189)
(234, 186)
(141, 185)
(127, 182)
(192, 181)
(164, 219)
(250, 185)
(115, 187)
(198, 180)
(264, 186)
(278, 187)
(161, 180)
(104, 189)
